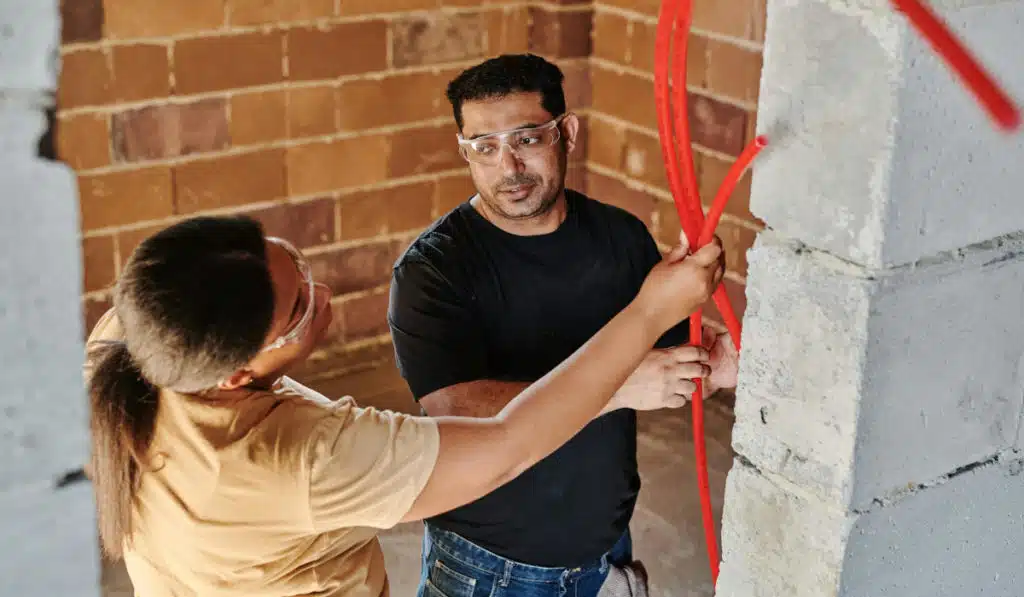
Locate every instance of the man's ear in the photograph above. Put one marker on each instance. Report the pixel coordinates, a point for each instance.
(571, 130)
(238, 379)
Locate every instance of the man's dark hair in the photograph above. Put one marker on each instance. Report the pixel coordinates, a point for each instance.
(505, 75)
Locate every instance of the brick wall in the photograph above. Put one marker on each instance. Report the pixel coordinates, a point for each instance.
(326, 120)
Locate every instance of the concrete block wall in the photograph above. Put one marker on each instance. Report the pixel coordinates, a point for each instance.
(327, 120)
(47, 518)
(881, 390)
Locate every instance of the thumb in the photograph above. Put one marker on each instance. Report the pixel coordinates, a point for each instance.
(680, 251)
(707, 254)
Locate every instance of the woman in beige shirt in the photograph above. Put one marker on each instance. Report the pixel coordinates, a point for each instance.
(217, 475)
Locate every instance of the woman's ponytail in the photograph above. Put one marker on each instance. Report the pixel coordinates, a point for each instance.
(122, 421)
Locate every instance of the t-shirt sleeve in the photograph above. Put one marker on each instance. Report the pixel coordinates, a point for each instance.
(680, 334)
(437, 337)
(367, 467)
(106, 330)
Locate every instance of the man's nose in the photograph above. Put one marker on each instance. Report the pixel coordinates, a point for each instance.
(508, 160)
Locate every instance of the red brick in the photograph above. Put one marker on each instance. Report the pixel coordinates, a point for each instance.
(128, 240)
(737, 240)
(642, 159)
(331, 166)
(312, 111)
(335, 334)
(93, 308)
(170, 130)
(437, 39)
(125, 197)
(229, 181)
(560, 34)
(737, 294)
(508, 30)
(345, 49)
(577, 84)
(360, 7)
(260, 12)
(733, 71)
(366, 316)
(227, 62)
(741, 19)
(668, 228)
(141, 71)
(453, 191)
(716, 125)
(160, 18)
(354, 268)
(258, 117)
(386, 211)
(614, 192)
(83, 141)
(611, 38)
(625, 96)
(305, 224)
(85, 79)
(647, 7)
(605, 143)
(98, 264)
(423, 151)
(370, 103)
(712, 173)
(81, 21)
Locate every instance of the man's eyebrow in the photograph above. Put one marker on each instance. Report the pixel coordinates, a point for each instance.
(529, 125)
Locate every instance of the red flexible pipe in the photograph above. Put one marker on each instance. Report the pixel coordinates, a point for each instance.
(994, 100)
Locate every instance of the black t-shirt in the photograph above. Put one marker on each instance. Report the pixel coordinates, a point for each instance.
(470, 301)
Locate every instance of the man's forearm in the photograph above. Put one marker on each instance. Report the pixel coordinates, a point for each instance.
(480, 399)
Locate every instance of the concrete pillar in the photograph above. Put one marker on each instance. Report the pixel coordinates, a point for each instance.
(881, 386)
(48, 544)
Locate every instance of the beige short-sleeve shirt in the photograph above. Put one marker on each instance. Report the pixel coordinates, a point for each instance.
(272, 493)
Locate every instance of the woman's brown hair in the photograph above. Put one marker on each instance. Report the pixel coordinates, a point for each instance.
(195, 302)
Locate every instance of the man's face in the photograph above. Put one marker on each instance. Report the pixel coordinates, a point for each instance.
(524, 184)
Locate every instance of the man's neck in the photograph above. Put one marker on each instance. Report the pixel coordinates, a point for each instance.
(537, 225)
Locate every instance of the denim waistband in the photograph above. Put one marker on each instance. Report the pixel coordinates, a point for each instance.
(486, 561)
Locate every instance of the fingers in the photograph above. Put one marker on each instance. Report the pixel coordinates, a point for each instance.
(684, 388)
(690, 354)
(689, 371)
(708, 254)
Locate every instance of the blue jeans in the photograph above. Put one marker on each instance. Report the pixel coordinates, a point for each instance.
(454, 567)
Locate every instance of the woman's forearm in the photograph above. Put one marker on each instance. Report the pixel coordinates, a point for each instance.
(557, 406)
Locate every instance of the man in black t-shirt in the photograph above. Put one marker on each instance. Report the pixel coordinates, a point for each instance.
(494, 295)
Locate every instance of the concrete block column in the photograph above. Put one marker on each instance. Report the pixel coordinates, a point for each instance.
(882, 382)
(48, 542)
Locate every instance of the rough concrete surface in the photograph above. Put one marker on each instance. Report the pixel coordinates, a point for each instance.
(778, 541)
(804, 343)
(855, 384)
(962, 538)
(879, 155)
(48, 544)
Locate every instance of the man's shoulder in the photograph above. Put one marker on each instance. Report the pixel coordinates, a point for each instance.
(443, 242)
(609, 213)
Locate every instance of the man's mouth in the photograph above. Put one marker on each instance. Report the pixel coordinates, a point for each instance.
(517, 189)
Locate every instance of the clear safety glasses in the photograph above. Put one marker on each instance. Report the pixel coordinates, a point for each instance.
(523, 143)
(307, 287)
